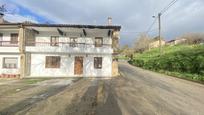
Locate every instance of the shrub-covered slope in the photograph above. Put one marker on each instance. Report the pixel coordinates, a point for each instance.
(181, 61)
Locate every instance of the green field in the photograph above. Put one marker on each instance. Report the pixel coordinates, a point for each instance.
(184, 61)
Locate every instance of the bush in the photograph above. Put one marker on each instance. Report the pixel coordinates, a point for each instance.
(184, 59)
(139, 63)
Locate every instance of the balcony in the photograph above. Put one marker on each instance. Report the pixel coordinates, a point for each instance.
(67, 47)
(8, 46)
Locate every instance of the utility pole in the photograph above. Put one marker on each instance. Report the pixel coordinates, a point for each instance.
(160, 42)
(159, 18)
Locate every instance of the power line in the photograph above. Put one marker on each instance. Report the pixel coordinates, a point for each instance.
(168, 6)
(159, 22)
(150, 27)
(131, 32)
(162, 11)
(137, 32)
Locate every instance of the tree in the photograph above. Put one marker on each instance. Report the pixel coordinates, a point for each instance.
(193, 38)
(127, 51)
(142, 43)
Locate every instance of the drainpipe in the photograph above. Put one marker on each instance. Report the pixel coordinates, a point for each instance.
(115, 46)
(22, 51)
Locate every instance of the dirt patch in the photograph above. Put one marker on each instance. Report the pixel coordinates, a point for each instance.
(29, 102)
(21, 97)
(97, 100)
(57, 104)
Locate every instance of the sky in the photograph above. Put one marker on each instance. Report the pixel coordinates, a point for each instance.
(135, 16)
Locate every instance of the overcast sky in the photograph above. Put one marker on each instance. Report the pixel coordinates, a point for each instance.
(133, 15)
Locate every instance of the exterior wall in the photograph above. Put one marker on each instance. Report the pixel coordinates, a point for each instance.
(7, 47)
(115, 68)
(43, 44)
(180, 41)
(106, 70)
(35, 55)
(9, 71)
(171, 43)
(177, 41)
(67, 66)
(155, 44)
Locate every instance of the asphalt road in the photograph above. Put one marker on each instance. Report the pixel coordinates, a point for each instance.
(136, 92)
(144, 92)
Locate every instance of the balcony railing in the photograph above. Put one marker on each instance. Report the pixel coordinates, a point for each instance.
(62, 44)
(53, 44)
(9, 43)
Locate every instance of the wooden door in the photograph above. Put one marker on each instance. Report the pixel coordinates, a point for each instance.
(78, 66)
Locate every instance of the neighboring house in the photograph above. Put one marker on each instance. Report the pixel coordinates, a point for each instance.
(154, 43)
(176, 41)
(57, 50)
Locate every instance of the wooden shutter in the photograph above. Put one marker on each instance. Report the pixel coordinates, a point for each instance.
(98, 42)
(73, 42)
(52, 62)
(54, 41)
(98, 62)
(14, 38)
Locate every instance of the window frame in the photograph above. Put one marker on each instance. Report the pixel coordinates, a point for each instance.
(49, 60)
(4, 64)
(31, 41)
(97, 62)
(54, 41)
(12, 40)
(97, 44)
(73, 43)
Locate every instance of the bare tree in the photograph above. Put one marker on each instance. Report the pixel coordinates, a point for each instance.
(142, 43)
(193, 38)
(127, 51)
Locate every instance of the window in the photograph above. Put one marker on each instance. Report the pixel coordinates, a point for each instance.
(52, 62)
(97, 62)
(73, 42)
(1, 39)
(30, 41)
(14, 38)
(10, 62)
(54, 41)
(98, 42)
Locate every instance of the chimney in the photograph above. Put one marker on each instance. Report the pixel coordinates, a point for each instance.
(109, 21)
(1, 18)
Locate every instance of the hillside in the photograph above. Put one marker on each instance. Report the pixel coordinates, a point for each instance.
(185, 61)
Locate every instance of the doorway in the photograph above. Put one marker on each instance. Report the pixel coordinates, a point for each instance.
(78, 65)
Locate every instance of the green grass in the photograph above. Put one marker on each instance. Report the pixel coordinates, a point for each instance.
(154, 53)
(121, 57)
(184, 61)
(33, 81)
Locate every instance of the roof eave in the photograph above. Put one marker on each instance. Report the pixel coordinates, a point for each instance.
(115, 27)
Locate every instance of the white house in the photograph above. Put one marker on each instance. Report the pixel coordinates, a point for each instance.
(57, 50)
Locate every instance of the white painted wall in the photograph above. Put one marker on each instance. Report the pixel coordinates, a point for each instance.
(106, 70)
(9, 71)
(67, 62)
(67, 66)
(46, 36)
(6, 37)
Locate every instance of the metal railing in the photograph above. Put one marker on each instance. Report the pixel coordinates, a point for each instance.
(9, 43)
(53, 44)
(62, 44)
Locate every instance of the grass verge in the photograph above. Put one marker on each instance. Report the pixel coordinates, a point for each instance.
(34, 81)
(182, 61)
